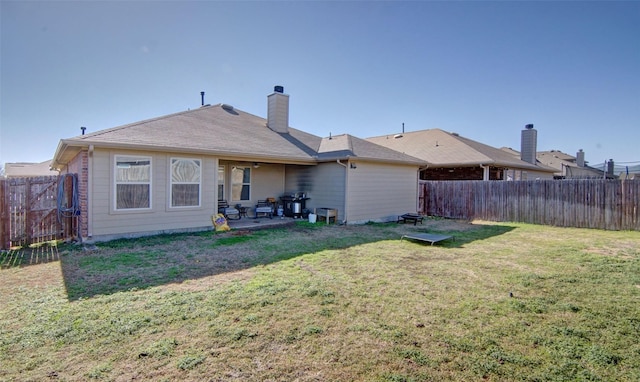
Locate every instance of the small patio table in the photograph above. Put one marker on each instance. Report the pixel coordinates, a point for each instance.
(415, 218)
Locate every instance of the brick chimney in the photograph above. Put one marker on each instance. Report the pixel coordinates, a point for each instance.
(529, 144)
(580, 158)
(278, 110)
(610, 168)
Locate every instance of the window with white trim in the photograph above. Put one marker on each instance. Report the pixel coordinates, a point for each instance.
(221, 183)
(132, 182)
(240, 183)
(186, 175)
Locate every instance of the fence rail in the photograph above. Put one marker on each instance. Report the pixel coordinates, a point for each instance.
(29, 210)
(602, 204)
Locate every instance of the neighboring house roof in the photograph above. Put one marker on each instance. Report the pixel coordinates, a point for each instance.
(556, 159)
(552, 158)
(348, 146)
(442, 149)
(563, 163)
(511, 151)
(223, 131)
(23, 169)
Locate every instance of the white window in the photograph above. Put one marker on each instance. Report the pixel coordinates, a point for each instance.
(132, 182)
(240, 183)
(186, 175)
(221, 183)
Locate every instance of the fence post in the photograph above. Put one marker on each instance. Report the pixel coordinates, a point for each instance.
(4, 215)
(28, 221)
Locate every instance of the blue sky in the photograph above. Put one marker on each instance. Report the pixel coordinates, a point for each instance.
(481, 69)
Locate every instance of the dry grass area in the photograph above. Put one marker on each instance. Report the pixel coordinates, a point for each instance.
(329, 303)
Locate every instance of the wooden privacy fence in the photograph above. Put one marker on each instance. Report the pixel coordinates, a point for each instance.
(582, 203)
(30, 213)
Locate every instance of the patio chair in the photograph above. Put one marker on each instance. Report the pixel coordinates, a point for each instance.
(264, 207)
(228, 211)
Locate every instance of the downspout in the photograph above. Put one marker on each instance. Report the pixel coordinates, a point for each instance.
(217, 181)
(419, 188)
(485, 174)
(90, 192)
(346, 189)
(418, 192)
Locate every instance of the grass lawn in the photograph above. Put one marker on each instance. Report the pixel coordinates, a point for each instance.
(502, 302)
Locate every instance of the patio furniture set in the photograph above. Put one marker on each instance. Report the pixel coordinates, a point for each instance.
(264, 208)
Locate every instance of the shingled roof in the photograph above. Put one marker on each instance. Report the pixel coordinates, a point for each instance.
(442, 149)
(22, 169)
(229, 133)
(347, 146)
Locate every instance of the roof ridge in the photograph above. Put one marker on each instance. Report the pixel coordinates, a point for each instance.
(421, 131)
(350, 143)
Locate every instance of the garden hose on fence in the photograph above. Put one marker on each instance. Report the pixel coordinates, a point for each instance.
(66, 211)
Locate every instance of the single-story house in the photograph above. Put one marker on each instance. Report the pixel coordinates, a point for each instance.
(453, 157)
(168, 174)
(28, 169)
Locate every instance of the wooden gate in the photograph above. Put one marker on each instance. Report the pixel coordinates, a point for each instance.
(30, 213)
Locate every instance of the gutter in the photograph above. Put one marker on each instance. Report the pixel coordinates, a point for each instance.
(77, 145)
(418, 189)
(346, 188)
(90, 192)
(55, 164)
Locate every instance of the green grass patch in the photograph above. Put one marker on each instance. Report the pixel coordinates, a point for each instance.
(189, 362)
(502, 302)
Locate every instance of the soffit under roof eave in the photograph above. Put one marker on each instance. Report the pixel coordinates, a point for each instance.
(265, 159)
(461, 164)
(372, 160)
(68, 149)
(493, 164)
(64, 154)
(527, 166)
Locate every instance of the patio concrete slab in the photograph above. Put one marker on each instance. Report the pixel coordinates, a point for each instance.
(260, 223)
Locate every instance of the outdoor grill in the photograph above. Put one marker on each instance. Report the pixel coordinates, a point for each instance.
(294, 205)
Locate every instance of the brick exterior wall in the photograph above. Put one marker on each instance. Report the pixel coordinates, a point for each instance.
(460, 173)
(80, 165)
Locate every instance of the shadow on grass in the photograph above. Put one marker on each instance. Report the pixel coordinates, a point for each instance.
(462, 237)
(124, 265)
(23, 257)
